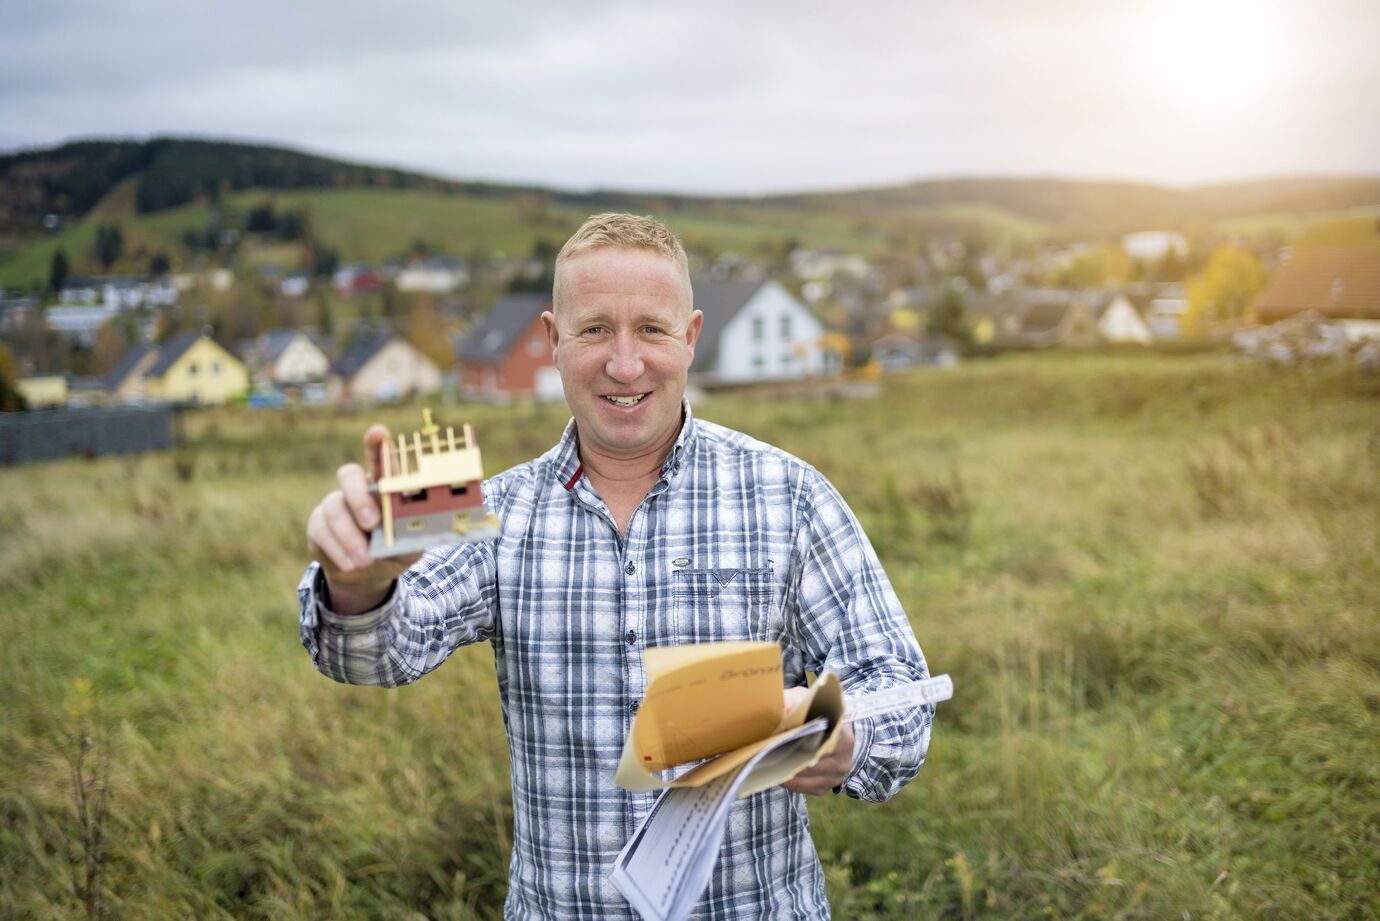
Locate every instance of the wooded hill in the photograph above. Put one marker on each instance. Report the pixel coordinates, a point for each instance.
(70, 180)
(164, 188)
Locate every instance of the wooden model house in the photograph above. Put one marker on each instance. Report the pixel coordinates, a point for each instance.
(429, 491)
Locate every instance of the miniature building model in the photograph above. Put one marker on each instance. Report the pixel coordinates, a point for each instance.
(429, 490)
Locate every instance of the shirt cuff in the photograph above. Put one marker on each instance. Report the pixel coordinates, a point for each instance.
(853, 782)
(363, 622)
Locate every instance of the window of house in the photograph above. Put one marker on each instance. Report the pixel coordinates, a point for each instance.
(215, 368)
(756, 329)
(191, 369)
(786, 326)
(787, 359)
(758, 363)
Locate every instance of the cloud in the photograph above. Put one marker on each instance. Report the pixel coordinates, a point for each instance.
(718, 97)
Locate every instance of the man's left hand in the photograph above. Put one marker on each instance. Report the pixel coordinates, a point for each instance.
(828, 772)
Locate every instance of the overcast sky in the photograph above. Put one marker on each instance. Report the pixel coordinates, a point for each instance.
(719, 96)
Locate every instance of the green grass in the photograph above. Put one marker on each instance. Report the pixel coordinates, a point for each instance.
(1153, 579)
(1354, 226)
(1355, 230)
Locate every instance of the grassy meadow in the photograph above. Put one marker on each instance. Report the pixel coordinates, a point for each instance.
(1154, 579)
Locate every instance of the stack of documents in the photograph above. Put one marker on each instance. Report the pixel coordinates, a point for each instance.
(723, 702)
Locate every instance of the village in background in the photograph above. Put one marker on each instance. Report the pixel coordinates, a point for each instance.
(250, 305)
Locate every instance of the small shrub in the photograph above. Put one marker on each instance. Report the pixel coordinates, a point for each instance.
(184, 466)
(152, 504)
(947, 506)
(88, 762)
(1271, 447)
(1218, 484)
(85, 748)
(898, 530)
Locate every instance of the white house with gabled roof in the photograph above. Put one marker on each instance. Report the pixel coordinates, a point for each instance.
(754, 331)
(1120, 320)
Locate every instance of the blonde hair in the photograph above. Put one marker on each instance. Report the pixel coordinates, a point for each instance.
(626, 231)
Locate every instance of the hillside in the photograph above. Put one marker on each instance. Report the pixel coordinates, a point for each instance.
(161, 189)
(70, 180)
(374, 224)
(1090, 208)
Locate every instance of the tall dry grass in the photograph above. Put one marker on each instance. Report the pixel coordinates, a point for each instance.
(1153, 579)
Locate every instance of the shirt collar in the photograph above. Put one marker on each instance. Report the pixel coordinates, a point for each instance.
(568, 469)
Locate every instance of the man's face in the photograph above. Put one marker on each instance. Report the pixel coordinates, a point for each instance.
(623, 338)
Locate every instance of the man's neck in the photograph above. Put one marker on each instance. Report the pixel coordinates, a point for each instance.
(624, 481)
(627, 472)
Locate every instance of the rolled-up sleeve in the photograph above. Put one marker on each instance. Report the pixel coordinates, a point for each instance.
(851, 623)
(447, 600)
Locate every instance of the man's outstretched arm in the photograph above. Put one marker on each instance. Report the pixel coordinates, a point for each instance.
(386, 621)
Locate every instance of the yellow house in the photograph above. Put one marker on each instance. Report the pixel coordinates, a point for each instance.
(44, 392)
(193, 368)
(126, 382)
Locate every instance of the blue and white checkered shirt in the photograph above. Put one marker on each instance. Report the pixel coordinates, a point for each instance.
(738, 540)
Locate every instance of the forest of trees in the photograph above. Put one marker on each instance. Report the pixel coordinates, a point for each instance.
(71, 179)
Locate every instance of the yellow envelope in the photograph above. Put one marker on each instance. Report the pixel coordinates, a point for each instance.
(721, 701)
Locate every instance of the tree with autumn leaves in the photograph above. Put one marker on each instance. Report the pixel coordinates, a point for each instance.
(1225, 290)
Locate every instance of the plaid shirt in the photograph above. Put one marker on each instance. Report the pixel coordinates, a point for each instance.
(737, 540)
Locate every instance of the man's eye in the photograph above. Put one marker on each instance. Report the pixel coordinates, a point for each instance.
(593, 330)
(651, 329)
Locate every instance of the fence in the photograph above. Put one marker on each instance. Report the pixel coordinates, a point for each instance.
(87, 432)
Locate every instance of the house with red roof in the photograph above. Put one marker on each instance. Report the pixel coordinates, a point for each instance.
(507, 354)
(1339, 283)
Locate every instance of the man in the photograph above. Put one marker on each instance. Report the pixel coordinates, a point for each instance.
(642, 527)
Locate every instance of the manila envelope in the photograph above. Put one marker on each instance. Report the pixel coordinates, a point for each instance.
(720, 701)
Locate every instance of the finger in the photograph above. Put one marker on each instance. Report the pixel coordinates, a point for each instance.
(375, 438)
(324, 546)
(362, 504)
(793, 696)
(346, 531)
(809, 786)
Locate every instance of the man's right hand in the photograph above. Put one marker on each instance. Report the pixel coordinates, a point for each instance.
(338, 536)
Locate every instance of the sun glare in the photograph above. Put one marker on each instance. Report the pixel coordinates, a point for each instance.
(1215, 53)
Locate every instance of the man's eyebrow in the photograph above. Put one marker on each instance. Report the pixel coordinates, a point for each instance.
(600, 318)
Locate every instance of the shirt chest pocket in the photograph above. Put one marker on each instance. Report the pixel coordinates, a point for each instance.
(725, 604)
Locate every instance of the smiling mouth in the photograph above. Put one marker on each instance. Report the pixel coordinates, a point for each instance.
(625, 401)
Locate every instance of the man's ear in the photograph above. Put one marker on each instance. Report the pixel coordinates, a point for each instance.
(548, 322)
(692, 331)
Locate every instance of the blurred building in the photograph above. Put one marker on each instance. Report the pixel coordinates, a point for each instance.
(44, 392)
(1340, 283)
(753, 331)
(436, 275)
(194, 368)
(508, 353)
(383, 368)
(284, 358)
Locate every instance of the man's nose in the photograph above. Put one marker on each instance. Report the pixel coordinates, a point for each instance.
(625, 362)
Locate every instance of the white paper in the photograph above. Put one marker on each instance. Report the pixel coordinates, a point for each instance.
(665, 867)
(901, 697)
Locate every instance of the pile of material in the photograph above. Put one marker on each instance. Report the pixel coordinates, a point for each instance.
(1303, 338)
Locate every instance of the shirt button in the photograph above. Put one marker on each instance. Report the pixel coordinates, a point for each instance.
(631, 637)
(632, 707)
(631, 568)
